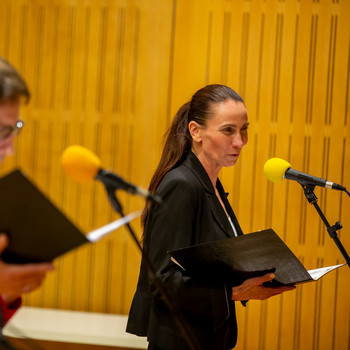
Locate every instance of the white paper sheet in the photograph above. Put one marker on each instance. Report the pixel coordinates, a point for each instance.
(97, 234)
(318, 273)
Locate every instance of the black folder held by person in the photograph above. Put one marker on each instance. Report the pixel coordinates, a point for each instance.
(38, 231)
(235, 259)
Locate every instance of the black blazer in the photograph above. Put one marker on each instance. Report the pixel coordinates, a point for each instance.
(190, 214)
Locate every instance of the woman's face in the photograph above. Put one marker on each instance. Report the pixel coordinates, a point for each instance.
(220, 141)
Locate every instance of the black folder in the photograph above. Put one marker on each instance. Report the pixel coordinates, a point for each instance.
(233, 260)
(38, 231)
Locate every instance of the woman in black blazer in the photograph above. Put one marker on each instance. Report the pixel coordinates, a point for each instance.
(207, 134)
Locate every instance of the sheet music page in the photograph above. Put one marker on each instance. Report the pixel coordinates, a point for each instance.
(318, 273)
(97, 234)
(176, 262)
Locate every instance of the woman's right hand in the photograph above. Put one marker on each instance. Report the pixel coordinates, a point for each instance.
(253, 288)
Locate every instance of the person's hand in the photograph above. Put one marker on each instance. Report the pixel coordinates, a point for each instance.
(253, 288)
(16, 280)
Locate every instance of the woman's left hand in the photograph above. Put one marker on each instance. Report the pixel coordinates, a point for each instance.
(253, 288)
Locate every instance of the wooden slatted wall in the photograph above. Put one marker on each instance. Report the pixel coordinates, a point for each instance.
(109, 75)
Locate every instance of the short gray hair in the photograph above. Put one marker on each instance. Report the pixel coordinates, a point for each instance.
(12, 85)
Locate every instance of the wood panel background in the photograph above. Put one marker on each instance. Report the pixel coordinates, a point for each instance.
(109, 75)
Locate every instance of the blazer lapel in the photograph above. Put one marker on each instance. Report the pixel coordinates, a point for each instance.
(218, 212)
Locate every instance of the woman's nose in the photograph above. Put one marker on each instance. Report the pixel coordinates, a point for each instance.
(238, 141)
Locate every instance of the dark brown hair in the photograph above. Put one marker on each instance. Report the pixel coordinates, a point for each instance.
(178, 139)
(12, 85)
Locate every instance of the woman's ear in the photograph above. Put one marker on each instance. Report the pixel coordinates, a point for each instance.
(195, 131)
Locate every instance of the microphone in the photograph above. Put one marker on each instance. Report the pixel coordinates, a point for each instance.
(277, 169)
(83, 166)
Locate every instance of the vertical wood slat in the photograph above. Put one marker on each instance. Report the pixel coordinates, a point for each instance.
(171, 62)
(119, 61)
(277, 67)
(110, 76)
(260, 69)
(330, 75)
(347, 90)
(244, 54)
(225, 47)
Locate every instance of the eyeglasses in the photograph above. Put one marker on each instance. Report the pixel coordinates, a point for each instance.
(8, 130)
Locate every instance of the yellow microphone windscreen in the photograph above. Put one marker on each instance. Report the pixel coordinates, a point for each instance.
(275, 168)
(80, 163)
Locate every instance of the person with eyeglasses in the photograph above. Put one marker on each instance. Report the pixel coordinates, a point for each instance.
(8, 132)
(15, 280)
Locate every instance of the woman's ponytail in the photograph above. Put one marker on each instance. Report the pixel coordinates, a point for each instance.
(178, 143)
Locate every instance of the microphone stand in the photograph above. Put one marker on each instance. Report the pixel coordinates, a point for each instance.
(180, 321)
(332, 230)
